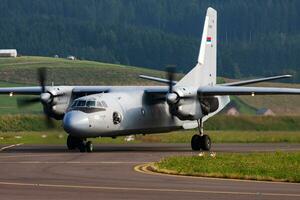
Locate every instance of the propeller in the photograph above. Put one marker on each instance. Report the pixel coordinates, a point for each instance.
(172, 97)
(45, 97)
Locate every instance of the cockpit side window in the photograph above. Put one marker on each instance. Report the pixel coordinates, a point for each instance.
(99, 104)
(74, 104)
(104, 104)
(91, 104)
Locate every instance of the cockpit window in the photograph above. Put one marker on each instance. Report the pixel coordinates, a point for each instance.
(99, 104)
(104, 104)
(91, 103)
(74, 104)
(81, 103)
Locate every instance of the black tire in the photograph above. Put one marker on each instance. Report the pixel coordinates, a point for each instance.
(81, 146)
(89, 146)
(196, 142)
(71, 142)
(205, 143)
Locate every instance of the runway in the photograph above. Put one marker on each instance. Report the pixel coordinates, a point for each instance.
(51, 172)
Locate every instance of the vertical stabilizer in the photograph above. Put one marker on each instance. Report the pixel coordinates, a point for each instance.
(205, 72)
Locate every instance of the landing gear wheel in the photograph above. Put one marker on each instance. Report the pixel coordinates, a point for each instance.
(205, 143)
(81, 146)
(196, 142)
(72, 142)
(89, 146)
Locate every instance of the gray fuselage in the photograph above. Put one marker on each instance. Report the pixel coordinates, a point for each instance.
(120, 112)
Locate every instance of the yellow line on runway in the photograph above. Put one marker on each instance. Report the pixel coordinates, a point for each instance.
(144, 189)
(143, 168)
(10, 146)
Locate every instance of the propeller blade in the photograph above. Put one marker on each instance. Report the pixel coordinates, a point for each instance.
(23, 102)
(170, 76)
(49, 122)
(42, 78)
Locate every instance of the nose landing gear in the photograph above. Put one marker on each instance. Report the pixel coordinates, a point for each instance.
(201, 140)
(79, 143)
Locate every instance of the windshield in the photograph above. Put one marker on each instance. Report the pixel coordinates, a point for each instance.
(89, 105)
(81, 103)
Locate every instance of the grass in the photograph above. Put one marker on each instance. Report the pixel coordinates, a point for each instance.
(278, 166)
(48, 137)
(59, 137)
(217, 123)
(227, 137)
(242, 107)
(23, 70)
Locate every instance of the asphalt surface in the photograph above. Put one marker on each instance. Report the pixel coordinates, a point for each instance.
(51, 172)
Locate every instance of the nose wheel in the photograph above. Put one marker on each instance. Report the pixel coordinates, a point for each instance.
(201, 141)
(79, 143)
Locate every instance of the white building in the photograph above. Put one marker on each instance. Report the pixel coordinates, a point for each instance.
(233, 112)
(8, 53)
(71, 58)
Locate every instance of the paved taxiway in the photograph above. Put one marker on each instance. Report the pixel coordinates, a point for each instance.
(51, 172)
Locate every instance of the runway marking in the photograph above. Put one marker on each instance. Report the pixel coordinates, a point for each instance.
(142, 168)
(33, 155)
(10, 146)
(68, 162)
(144, 189)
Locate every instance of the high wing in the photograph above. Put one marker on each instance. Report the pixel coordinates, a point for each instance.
(37, 90)
(247, 82)
(236, 90)
(21, 90)
(91, 89)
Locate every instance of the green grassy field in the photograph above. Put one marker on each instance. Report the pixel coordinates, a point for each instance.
(279, 166)
(217, 123)
(62, 71)
(222, 129)
(59, 137)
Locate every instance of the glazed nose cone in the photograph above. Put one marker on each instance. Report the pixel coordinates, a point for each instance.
(75, 122)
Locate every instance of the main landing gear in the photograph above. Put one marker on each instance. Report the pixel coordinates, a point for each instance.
(79, 143)
(200, 141)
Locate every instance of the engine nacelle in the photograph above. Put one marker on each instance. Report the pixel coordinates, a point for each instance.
(186, 105)
(58, 101)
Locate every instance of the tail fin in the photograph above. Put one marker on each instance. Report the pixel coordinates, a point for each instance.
(205, 72)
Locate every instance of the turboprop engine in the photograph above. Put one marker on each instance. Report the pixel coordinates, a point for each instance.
(55, 99)
(185, 103)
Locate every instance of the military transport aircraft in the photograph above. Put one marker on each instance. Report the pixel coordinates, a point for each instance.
(111, 111)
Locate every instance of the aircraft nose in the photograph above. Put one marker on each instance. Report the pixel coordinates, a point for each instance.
(75, 122)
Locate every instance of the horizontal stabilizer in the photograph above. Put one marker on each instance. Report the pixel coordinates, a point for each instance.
(247, 82)
(236, 90)
(160, 80)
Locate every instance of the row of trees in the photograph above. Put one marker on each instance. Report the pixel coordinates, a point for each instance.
(255, 37)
